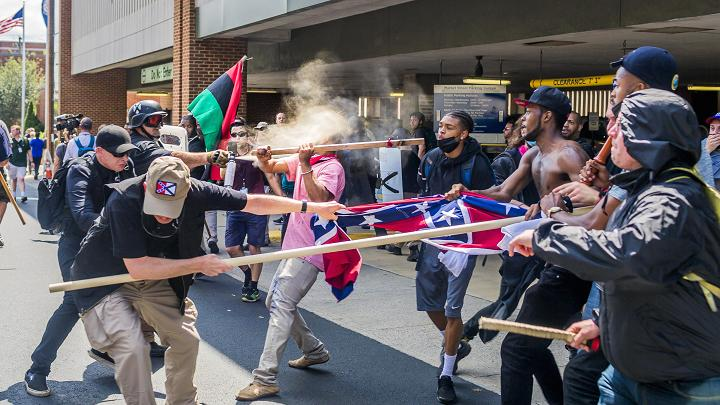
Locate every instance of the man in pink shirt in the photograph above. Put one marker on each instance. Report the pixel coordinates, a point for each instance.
(317, 178)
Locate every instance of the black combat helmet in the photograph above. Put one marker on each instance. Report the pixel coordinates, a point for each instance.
(140, 111)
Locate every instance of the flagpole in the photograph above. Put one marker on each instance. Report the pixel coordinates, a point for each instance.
(22, 102)
(319, 249)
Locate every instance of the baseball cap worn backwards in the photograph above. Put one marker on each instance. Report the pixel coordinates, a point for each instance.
(655, 66)
(550, 98)
(167, 183)
(712, 118)
(114, 139)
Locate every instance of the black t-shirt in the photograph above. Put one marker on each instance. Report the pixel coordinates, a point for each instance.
(428, 135)
(119, 234)
(148, 150)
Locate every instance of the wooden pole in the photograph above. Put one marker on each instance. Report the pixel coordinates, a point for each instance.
(316, 250)
(352, 146)
(11, 198)
(526, 329)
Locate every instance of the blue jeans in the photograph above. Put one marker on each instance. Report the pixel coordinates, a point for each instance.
(616, 389)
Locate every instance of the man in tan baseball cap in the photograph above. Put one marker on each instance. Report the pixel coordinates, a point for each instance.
(151, 228)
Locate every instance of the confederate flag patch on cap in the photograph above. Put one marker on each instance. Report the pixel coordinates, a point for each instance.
(165, 188)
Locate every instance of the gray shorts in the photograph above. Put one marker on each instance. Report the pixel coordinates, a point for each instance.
(436, 288)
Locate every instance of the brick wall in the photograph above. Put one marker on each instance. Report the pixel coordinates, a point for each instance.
(196, 63)
(263, 107)
(101, 96)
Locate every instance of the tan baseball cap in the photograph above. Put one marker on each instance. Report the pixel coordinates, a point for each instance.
(167, 183)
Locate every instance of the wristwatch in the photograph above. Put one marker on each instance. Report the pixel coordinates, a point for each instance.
(553, 210)
(303, 207)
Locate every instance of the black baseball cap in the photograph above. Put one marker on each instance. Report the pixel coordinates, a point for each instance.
(550, 98)
(114, 139)
(655, 66)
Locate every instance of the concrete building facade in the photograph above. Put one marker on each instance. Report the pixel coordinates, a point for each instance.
(372, 48)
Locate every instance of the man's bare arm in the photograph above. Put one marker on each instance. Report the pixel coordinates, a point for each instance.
(191, 159)
(571, 161)
(509, 188)
(156, 268)
(4, 162)
(597, 218)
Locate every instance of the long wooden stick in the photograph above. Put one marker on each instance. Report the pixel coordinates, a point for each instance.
(526, 329)
(352, 146)
(11, 198)
(316, 250)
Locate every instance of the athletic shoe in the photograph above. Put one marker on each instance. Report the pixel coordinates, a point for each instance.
(396, 250)
(278, 221)
(157, 350)
(102, 358)
(305, 362)
(213, 247)
(256, 391)
(381, 247)
(446, 390)
(251, 296)
(464, 349)
(23, 199)
(36, 385)
(414, 254)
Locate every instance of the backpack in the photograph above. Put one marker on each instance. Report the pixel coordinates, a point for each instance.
(85, 149)
(466, 169)
(709, 290)
(51, 197)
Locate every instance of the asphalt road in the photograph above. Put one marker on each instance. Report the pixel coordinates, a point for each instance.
(362, 370)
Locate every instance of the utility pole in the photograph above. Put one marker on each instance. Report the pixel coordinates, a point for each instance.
(50, 76)
(24, 84)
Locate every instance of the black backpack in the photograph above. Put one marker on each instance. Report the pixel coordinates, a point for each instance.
(51, 197)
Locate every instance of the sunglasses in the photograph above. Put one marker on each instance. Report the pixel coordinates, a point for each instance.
(154, 121)
(120, 155)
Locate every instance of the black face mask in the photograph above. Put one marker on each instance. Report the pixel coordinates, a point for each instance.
(158, 230)
(448, 145)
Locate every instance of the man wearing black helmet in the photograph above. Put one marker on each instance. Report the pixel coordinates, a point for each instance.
(144, 121)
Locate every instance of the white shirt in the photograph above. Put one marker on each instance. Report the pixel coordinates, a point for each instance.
(72, 149)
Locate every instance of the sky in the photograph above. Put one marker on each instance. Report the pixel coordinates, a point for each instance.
(34, 23)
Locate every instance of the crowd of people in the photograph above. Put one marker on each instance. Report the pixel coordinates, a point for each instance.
(639, 271)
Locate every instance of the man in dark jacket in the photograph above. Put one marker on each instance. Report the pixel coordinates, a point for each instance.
(658, 259)
(150, 228)
(458, 159)
(84, 196)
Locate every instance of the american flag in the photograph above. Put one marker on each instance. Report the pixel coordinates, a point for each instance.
(342, 268)
(9, 23)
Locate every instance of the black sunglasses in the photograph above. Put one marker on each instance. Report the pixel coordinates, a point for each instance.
(120, 155)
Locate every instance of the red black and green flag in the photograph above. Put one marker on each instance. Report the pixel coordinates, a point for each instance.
(215, 108)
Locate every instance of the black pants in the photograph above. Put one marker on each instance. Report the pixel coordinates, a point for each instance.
(64, 318)
(517, 273)
(552, 302)
(36, 161)
(581, 377)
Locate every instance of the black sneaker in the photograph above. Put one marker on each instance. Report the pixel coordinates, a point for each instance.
(157, 350)
(23, 199)
(446, 390)
(464, 349)
(413, 256)
(102, 358)
(278, 221)
(36, 385)
(213, 247)
(396, 250)
(253, 295)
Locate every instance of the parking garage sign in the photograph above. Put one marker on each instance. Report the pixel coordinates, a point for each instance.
(485, 104)
(157, 73)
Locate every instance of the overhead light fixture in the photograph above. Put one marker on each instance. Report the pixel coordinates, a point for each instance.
(151, 94)
(552, 43)
(262, 91)
(397, 94)
(674, 30)
(478, 67)
(478, 80)
(703, 88)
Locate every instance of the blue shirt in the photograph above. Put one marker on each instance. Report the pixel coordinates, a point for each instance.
(5, 151)
(36, 147)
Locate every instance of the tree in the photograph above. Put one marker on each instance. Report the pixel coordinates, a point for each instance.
(11, 87)
(31, 119)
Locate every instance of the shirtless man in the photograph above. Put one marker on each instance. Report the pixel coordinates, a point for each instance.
(558, 295)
